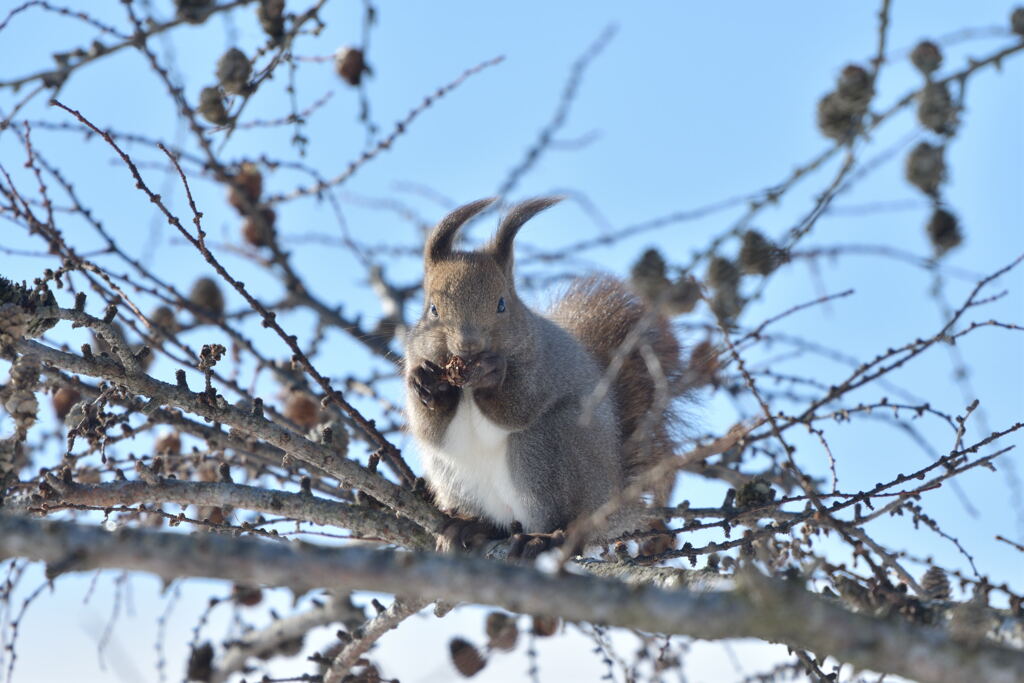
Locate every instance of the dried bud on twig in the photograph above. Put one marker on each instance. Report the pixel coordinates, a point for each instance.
(854, 86)
(926, 168)
(12, 459)
(943, 231)
(168, 443)
(100, 344)
(246, 595)
(22, 405)
(193, 11)
(210, 355)
(755, 493)
(271, 17)
(545, 626)
(164, 318)
(648, 275)
(466, 658)
(335, 435)
(935, 108)
(302, 409)
(1017, 21)
(233, 71)
(722, 273)
(682, 296)
(726, 304)
(926, 57)
(835, 118)
(206, 294)
(211, 106)
(840, 111)
(936, 584)
(14, 322)
(258, 229)
(24, 373)
(247, 188)
(63, 399)
(724, 276)
(758, 254)
(350, 65)
(650, 267)
(502, 631)
(143, 355)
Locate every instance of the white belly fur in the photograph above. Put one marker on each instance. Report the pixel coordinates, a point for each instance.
(469, 470)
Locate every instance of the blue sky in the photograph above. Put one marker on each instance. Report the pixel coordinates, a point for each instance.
(689, 104)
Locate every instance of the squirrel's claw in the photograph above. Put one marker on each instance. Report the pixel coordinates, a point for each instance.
(529, 546)
(465, 534)
(428, 382)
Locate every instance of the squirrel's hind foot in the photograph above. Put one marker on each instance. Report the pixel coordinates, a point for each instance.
(466, 535)
(529, 546)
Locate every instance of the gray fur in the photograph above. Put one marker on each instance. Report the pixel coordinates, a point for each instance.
(548, 469)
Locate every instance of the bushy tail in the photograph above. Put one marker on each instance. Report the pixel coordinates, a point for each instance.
(618, 328)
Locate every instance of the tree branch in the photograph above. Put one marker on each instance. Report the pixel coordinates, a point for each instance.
(281, 631)
(304, 507)
(395, 614)
(351, 472)
(759, 608)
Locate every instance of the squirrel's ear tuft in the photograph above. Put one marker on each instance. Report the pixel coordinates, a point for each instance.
(501, 247)
(439, 243)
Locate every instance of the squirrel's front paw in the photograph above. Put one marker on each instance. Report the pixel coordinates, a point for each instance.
(487, 370)
(433, 390)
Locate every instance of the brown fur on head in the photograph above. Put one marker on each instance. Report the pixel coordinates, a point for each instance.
(470, 302)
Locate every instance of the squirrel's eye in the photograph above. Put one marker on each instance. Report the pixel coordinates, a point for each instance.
(433, 310)
(501, 305)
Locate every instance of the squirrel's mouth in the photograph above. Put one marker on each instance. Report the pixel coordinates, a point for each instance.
(460, 371)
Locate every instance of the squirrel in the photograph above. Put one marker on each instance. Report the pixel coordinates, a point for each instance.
(496, 392)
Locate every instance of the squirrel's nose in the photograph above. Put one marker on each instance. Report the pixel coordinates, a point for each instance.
(467, 343)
